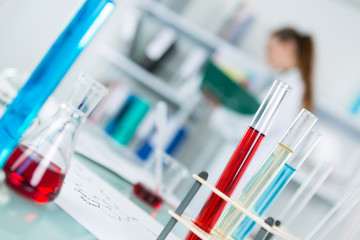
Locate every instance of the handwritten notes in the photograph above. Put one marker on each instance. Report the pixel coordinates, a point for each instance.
(102, 210)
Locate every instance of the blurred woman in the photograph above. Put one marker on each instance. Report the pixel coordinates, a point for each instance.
(291, 55)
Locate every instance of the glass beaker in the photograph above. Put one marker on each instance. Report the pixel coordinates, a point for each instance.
(37, 166)
(155, 188)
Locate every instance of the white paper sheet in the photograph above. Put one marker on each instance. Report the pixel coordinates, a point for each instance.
(102, 210)
(95, 145)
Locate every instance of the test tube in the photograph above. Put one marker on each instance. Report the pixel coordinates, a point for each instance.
(304, 194)
(268, 170)
(352, 231)
(48, 74)
(345, 204)
(277, 185)
(340, 215)
(241, 158)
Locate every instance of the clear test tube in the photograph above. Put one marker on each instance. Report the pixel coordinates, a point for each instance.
(337, 213)
(268, 170)
(278, 184)
(305, 149)
(352, 230)
(242, 156)
(306, 191)
(341, 213)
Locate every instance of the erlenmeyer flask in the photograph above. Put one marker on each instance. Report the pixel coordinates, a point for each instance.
(37, 166)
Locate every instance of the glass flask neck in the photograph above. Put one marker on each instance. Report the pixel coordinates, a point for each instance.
(269, 107)
(70, 121)
(75, 116)
(86, 96)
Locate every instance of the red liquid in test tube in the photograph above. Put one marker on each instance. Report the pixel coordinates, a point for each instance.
(230, 178)
(241, 158)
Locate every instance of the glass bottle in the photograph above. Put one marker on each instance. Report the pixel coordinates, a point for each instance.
(37, 166)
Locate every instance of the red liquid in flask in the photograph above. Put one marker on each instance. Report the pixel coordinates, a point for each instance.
(147, 195)
(228, 181)
(19, 170)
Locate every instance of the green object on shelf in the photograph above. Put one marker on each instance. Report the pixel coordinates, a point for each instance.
(228, 92)
(128, 124)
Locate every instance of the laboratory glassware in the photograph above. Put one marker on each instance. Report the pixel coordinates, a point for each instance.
(242, 156)
(277, 185)
(152, 195)
(268, 170)
(339, 216)
(351, 230)
(37, 166)
(164, 173)
(48, 74)
(304, 194)
(172, 176)
(343, 206)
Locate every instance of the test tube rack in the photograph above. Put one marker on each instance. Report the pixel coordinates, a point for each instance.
(187, 221)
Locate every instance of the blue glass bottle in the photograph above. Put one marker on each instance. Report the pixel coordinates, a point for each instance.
(48, 74)
(277, 185)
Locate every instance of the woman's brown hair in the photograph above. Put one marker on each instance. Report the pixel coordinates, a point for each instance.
(305, 55)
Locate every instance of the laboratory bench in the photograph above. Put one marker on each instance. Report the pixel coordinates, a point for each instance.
(21, 218)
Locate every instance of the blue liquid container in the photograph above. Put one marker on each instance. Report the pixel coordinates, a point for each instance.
(278, 184)
(48, 74)
(110, 128)
(356, 106)
(147, 148)
(176, 141)
(266, 199)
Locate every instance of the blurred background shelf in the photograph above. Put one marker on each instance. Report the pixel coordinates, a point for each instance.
(168, 17)
(141, 75)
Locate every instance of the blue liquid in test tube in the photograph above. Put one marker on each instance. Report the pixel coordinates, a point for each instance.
(356, 106)
(48, 74)
(277, 185)
(267, 198)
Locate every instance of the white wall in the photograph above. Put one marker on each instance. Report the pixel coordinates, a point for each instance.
(334, 25)
(29, 28)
